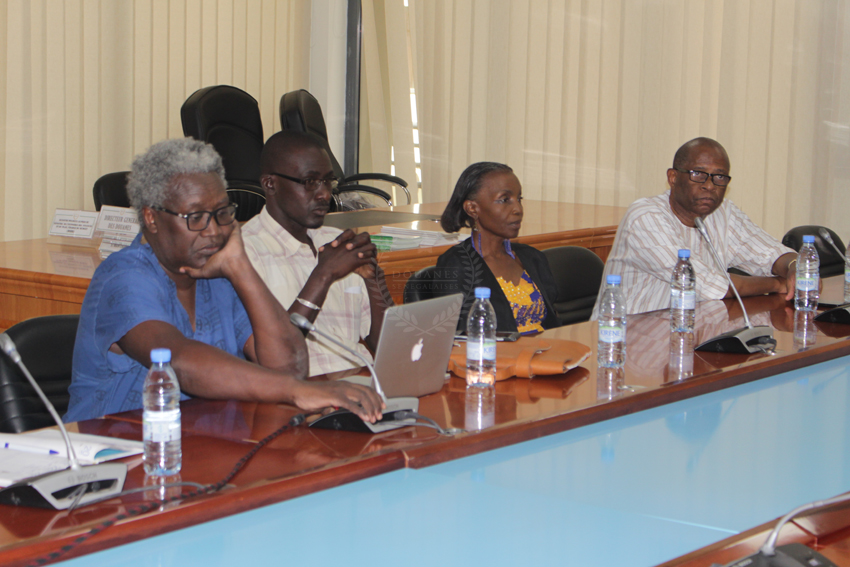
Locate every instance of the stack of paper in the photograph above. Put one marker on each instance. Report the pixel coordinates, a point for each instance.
(429, 237)
(24, 455)
(389, 242)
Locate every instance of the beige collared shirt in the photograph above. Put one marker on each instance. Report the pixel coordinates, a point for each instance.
(284, 263)
(648, 240)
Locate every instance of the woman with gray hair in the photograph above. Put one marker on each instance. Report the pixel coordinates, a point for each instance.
(191, 288)
(152, 172)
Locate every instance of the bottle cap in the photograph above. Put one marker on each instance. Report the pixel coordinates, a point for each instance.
(684, 253)
(613, 280)
(482, 293)
(161, 355)
(808, 239)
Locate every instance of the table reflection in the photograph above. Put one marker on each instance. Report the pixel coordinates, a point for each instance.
(805, 332)
(681, 362)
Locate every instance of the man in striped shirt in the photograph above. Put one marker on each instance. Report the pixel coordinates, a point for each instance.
(655, 228)
(328, 276)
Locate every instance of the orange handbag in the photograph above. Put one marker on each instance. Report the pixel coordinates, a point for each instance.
(527, 357)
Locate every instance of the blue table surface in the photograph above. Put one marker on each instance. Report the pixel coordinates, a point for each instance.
(636, 490)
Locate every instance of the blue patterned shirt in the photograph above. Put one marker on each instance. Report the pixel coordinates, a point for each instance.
(129, 288)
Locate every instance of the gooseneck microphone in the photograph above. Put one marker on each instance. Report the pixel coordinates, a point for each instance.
(746, 340)
(792, 554)
(399, 412)
(69, 488)
(841, 313)
(302, 322)
(824, 233)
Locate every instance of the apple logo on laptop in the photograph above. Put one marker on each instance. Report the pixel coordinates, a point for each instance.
(416, 352)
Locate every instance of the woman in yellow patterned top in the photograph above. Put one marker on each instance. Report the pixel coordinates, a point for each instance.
(488, 199)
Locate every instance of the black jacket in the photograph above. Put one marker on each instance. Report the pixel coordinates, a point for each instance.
(460, 269)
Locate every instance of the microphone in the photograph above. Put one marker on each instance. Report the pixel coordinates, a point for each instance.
(67, 488)
(746, 340)
(793, 554)
(824, 233)
(396, 414)
(841, 313)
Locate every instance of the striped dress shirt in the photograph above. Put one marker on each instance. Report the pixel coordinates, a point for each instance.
(284, 263)
(648, 240)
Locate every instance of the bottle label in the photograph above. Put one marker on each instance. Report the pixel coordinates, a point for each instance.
(612, 333)
(481, 350)
(846, 273)
(161, 426)
(807, 283)
(687, 300)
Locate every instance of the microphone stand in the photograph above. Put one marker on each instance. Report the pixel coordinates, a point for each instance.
(66, 488)
(792, 554)
(841, 313)
(396, 414)
(746, 340)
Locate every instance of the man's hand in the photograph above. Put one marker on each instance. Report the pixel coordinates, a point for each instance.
(346, 254)
(225, 263)
(370, 271)
(363, 401)
(790, 285)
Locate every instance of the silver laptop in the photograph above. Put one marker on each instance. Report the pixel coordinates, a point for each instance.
(413, 351)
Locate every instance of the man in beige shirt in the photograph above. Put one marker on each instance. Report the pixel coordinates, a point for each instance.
(329, 276)
(655, 228)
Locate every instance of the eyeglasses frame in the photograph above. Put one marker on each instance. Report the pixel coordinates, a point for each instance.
(331, 182)
(690, 172)
(210, 215)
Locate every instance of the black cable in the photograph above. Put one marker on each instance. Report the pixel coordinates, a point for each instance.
(145, 508)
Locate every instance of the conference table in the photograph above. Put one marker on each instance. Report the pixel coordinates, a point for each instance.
(678, 451)
(50, 276)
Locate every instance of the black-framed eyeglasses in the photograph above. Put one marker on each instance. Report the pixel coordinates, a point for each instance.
(312, 183)
(698, 176)
(200, 220)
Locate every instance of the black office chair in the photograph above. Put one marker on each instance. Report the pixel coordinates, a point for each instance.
(300, 111)
(578, 272)
(46, 346)
(831, 263)
(419, 286)
(249, 202)
(229, 119)
(111, 190)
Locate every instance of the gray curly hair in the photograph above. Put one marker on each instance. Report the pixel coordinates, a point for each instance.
(150, 181)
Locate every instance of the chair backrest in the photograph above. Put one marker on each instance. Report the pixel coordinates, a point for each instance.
(111, 190)
(300, 111)
(229, 119)
(46, 346)
(362, 197)
(249, 202)
(578, 272)
(418, 287)
(831, 263)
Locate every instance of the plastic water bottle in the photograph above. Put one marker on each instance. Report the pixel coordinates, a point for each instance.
(611, 349)
(683, 295)
(161, 417)
(481, 341)
(847, 276)
(808, 276)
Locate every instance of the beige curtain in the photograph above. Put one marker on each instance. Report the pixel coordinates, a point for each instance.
(385, 111)
(87, 84)
(588, 101)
